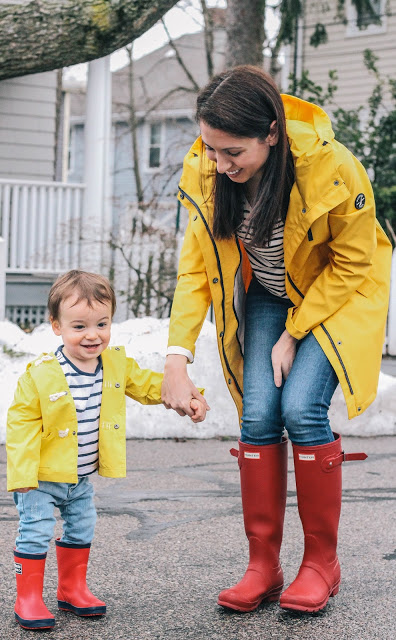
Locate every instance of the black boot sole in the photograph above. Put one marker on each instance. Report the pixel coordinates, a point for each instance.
(82, 611)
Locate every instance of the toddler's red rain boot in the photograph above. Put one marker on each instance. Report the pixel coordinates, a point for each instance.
(73, 593)
(263, 473)
(30, 610)
(318, 481)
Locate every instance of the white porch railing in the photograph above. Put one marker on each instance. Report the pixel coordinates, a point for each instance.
(40, 223)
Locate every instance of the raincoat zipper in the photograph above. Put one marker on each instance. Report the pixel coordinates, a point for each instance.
(185, 195)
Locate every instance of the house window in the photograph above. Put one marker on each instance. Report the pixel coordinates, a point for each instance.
(369, 24)
(155, 145)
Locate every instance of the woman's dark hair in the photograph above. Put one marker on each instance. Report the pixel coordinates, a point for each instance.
(243, 102)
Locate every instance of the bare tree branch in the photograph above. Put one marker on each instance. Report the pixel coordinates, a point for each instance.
(141, 274)
(179, 58)
(163, 98)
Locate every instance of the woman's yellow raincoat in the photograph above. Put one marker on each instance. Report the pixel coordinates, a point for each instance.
(42, 423)
(337, 261)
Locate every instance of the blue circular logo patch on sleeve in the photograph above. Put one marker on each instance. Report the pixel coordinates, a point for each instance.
(360, 201)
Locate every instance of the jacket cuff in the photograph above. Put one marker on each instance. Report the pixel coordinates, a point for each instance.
(180, 351)
(291, 327)
(15, 486)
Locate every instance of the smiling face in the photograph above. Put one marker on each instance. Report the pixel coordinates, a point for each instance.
(85, 331)
(241, 159)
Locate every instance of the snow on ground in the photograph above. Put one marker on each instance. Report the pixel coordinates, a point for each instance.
(145, 339)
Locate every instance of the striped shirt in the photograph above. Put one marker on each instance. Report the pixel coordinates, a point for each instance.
(267, 262)
(86, 391)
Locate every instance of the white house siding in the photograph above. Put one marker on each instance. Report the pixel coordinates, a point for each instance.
(27, 127)
(344, 52)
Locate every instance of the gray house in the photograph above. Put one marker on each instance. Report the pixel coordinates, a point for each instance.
(28, 127)
(42, 193)
(344, 47)
(146, 238)
(163, 107)
(30, 144)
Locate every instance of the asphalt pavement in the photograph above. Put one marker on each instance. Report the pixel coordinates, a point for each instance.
(389, 365)
(170, 536)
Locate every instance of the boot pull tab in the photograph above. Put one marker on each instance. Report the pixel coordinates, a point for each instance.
(235, 453)
(333, 461)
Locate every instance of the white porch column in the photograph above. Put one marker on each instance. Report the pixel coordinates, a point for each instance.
(3, 265)
(97, 213)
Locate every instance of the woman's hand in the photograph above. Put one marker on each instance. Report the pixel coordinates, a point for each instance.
(282, 356)
(177, 389)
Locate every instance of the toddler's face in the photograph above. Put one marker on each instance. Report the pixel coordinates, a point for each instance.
(85, 331)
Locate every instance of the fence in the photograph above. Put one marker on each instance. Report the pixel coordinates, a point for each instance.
(41, 223)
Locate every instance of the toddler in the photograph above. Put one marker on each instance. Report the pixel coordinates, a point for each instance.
(66, 422)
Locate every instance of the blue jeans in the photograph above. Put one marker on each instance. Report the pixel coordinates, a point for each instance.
(37, 520)
(301, 404)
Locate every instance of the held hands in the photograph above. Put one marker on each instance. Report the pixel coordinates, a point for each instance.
(179, 393)
(199, 409)
(25, 489)
(282, 356)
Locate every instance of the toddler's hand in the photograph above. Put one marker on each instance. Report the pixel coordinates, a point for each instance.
(25, 489)
(199, 409)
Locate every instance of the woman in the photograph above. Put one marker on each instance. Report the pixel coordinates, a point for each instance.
(282, 212)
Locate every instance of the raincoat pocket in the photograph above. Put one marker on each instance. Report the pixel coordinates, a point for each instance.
(367, 287)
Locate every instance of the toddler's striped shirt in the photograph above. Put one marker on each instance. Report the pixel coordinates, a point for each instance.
(86, 390)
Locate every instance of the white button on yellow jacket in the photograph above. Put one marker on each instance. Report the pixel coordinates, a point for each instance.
(337, 261)
(42, 420)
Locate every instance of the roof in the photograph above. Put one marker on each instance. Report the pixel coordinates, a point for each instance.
(159, 79)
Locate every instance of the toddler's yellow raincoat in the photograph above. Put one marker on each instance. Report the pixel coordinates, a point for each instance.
(42, 420)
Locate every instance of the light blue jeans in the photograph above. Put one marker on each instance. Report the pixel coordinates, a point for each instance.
(301, 405)
(37, 520)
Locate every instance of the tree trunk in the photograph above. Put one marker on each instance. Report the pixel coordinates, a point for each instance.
(245, 32)
(208, 32)
(42, 35)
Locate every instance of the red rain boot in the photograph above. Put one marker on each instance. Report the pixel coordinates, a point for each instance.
(263, 472)
(73, 593)
(318, 481)
(30, 610)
